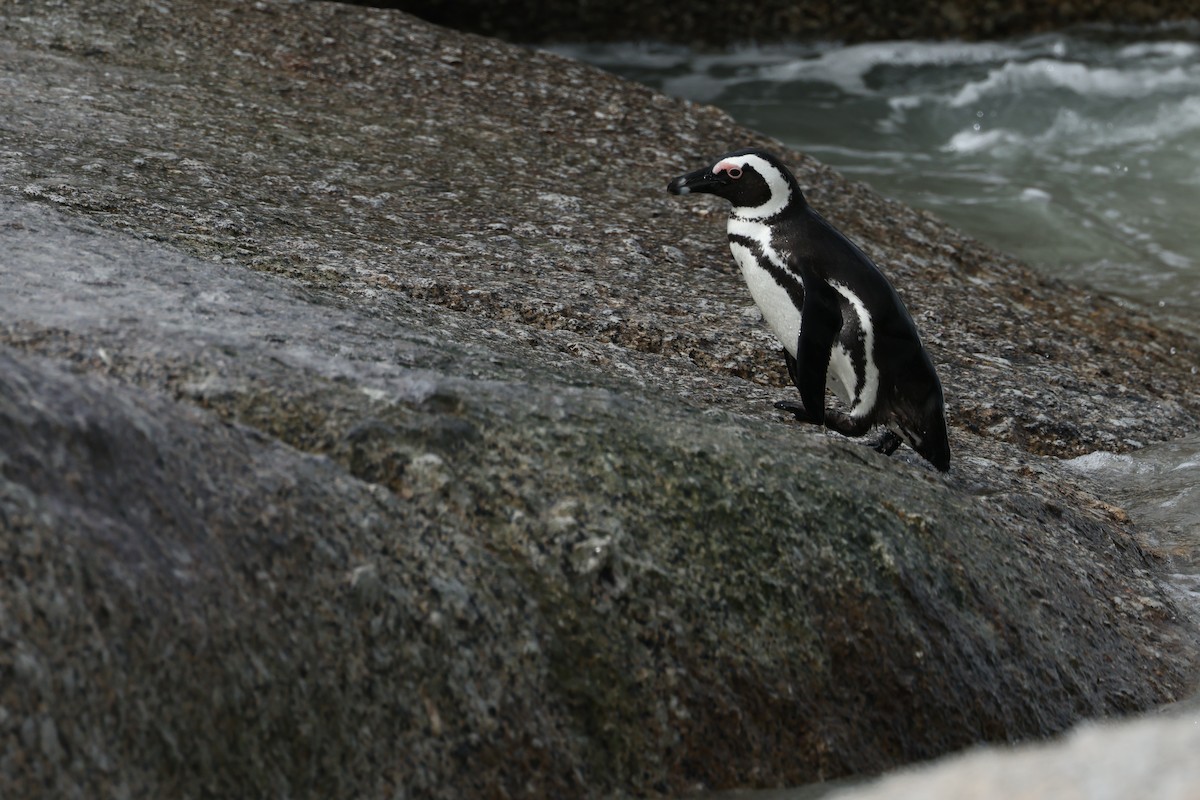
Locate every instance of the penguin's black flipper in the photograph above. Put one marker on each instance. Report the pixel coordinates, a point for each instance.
(791, 365)
(792, 406)
(820, 321)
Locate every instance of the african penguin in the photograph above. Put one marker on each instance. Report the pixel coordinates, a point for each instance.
(842, 325)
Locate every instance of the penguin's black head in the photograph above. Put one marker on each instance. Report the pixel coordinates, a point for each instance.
(756, 182)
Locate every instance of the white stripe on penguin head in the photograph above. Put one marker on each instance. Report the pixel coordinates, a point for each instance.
(777, 183)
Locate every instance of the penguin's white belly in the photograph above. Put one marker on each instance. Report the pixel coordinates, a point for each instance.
(780, 313)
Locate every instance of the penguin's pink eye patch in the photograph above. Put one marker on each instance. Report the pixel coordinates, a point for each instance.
(730, 168)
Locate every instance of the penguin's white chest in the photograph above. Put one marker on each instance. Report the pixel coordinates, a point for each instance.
(778, 309)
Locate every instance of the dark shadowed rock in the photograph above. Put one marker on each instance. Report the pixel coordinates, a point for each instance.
(723, 22)
(372, 423)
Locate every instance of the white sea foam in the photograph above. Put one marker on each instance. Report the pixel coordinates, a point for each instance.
(1016, 77)
(1177, 51)
(973, 141)
(1102, 461)
(1075, 133)
(848, 67)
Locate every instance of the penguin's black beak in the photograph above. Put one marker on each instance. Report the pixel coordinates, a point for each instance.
(702, 180)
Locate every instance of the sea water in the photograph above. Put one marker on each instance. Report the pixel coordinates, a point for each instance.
(1161, 483)
(1078, 152)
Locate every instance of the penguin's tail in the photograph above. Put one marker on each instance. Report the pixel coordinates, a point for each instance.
(935, 444)
(923, 428)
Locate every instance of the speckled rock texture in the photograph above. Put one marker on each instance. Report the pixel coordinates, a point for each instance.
(374, 424)
(723, 22)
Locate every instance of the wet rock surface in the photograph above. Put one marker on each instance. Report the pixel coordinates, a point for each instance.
(373, 420)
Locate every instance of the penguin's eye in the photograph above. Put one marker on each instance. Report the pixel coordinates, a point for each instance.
(729, 168)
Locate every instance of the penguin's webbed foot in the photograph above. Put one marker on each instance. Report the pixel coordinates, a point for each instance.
(842, 423)
(845, 424)
(887, 443)
(798, 409)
